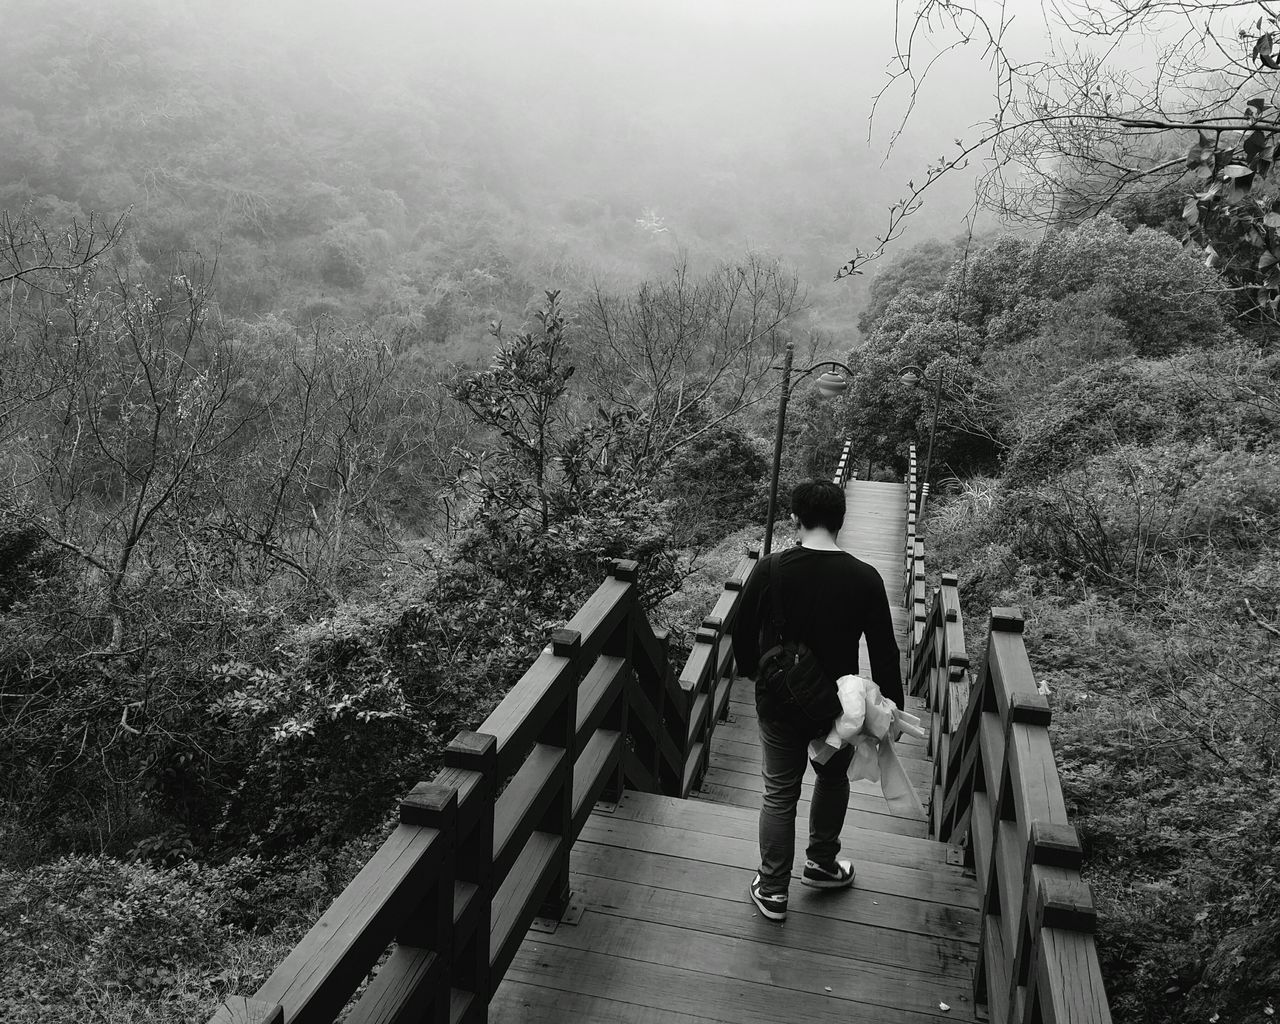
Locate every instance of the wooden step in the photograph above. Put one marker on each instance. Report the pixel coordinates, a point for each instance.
(668, 934)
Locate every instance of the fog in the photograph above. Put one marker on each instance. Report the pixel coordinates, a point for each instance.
(584, 140)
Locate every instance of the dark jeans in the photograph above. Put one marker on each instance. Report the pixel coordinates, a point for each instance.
(785, 753)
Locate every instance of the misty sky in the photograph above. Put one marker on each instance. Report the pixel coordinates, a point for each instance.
(669, 95)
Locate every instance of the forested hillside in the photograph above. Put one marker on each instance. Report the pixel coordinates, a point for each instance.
(399, 169)
(344, 348)
(319, 190)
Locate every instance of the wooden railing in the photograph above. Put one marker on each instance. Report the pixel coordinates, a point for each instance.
(708, 675)
(483, 849)
(996, 793)
(913, 588)
(844, 468)
(939, 672)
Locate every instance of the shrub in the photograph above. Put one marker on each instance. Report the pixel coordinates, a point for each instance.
(343, 261)
(716, 484)
(1134, 510)
(1107, 404)
(26, 559)
(129, 943)
(1166, 299)
(92, 935)
(314, 750)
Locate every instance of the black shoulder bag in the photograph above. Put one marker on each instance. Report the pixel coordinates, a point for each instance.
(790, 671)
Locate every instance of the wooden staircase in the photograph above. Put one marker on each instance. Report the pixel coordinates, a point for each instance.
(667, 932)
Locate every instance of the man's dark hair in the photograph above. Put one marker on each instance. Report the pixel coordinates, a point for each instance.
(818, 503)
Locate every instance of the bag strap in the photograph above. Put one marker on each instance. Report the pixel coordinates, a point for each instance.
(775, 596)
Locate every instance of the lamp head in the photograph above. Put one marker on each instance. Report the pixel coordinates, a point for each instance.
(832, 384)
(911, 376)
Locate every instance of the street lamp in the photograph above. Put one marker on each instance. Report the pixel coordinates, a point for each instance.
(829, 384)
(913, 375)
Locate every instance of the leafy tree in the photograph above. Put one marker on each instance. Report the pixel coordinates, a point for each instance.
(1014, 319)
(716, 484)
(921, 270)
(521, 398)
(558, 494)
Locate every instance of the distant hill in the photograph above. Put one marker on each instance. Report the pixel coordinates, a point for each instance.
(443, 175)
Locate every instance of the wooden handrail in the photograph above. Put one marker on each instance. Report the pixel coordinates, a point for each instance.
(997, 794)
(456, 885)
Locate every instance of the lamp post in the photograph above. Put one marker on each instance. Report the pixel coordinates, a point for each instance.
(914, 375)
(830, 383)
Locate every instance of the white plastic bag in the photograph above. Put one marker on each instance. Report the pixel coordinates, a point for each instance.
(870, 721)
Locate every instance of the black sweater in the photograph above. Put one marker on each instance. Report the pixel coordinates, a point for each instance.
(830, 599)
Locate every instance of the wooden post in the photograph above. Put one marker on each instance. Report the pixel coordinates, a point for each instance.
(907, 578)
(708, 633)
(643, 741)
(430, 927)
(662, 705)
(753, 555)
(561, 731)
(477, 754)
(621, 645)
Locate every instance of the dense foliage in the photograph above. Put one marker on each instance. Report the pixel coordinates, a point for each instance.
(1116, 474)
(1011, 319)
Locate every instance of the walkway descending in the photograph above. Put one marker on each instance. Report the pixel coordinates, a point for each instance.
(669, 935)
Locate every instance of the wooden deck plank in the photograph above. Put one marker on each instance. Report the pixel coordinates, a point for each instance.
(925, 882)
(745, 730)
(919, 771)
(866, 810)
(750, 747)
(742, 701)
(520, 1003)
(721, 786)
(743, 714)
(750, 761)
(789, 972)
(913, 957)
(885, 912)
(753, 782)
(743, 692)
(879, 817)
(680, 990)
(742, 823)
